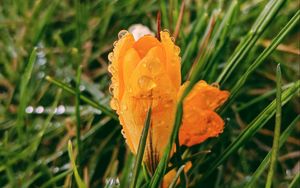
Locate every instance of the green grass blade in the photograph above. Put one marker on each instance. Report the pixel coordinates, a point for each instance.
(78, 179)
(174, 181)
(23, 91)
(50, 182)
(94, 104)
(275, 146)
(264, 164)
(141, 149)
(266, 16)
(295, 182)
(78, 120)
(275, 42)
(252, 128)
(161, 168)
(261, 97)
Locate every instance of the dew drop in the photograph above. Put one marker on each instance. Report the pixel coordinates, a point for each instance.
(166, 30)
(124, 107)
(172, 39)
(114, 104)
(123, 132)
(110, 56)
(115, 43)
(122, 33)
(60, 109)
(111, 89)
(111, 69)
(39, 110)
(146, 83)
(216, 85)
(154, 66)
(177, 49)
(112, 182)
(29, 110)
(155, 103)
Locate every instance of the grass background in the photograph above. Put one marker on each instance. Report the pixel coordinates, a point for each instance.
(38, 115)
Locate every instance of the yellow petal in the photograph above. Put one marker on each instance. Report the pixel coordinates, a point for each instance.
(172, 59)
(131, 60)
(116, 66)
(144, 44)
(199, 121)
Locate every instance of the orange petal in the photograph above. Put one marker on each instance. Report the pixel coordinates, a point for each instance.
(144, 44)
(131, 60)
(116, 68)
(205, 96)
(149, 86)
(200, 122)
(172, 59)
(199, 125)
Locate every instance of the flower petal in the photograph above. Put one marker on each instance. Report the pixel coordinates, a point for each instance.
(172, 58)
(131, 60)
(198, 125)
(144, 44)
(116, 68)
(205, 96)
(147, 88)
(199, 121)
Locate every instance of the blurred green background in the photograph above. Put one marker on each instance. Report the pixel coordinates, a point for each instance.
(38, 116)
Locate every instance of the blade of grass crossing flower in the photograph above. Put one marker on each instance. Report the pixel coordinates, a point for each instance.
(71, 90)
(264, 164)
(78, 121)
(174, 181)
(260, 25)
(295, 182)
(78, 179)
(275, 42)
(252, 128)
(275, 146)
(141, 149)
(161, 168)
(23, 92)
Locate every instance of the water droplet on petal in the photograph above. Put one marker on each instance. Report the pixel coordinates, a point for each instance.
(154, 66)
(110, 56)
(177, 50)
(155, 103)
(115, 43)
(111, 69)
(124, 107)
(111, 89)
(172, 39)
(123, 132)
(114, 104)
(146, 83)
(122, 33)
(166, 30)
(216, 85)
